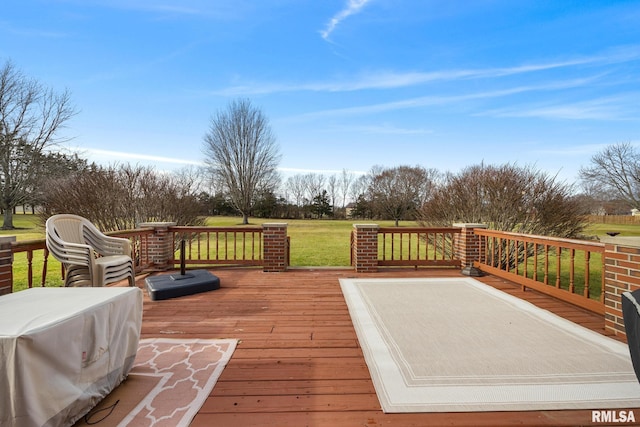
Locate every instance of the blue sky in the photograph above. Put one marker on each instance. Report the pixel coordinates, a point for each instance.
(346, 84)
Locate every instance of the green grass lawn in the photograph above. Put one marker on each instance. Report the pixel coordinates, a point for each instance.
(601, 230)
(27, 228)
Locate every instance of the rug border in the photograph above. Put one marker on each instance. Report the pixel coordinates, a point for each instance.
(386, 368)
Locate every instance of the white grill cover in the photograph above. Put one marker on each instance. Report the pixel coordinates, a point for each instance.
(63, 349)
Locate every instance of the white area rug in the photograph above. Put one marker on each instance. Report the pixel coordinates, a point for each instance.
(457, 345)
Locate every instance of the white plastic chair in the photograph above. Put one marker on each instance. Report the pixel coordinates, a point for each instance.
(89, 257)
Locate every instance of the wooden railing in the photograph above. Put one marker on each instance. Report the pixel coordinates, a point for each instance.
(32, 259)
(23, 253)
(218, 245)
(417, 246)
(141, 260)
(571, 270)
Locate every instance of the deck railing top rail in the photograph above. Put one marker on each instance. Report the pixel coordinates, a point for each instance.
(201, 229)
(419, 229)
(588, 245)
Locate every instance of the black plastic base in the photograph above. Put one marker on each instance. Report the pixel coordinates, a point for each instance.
(176, 285)
(472, 271)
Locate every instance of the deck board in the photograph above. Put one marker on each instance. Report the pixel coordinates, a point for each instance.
(298, 361)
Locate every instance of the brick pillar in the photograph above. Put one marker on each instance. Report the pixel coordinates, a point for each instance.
(6, 264)
(468, 247)
(275, 247)
(365, 248)
(621, 274)
(158, 247)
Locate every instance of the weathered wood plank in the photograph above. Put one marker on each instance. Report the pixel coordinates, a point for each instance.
(292, 387)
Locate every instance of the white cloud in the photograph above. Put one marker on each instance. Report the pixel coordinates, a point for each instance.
(426, 101)
(100, 156)
(30, 32)
(392, 79)
(352, 7)
(383, 129)
(609, 108)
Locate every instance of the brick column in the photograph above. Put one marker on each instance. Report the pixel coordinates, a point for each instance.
(468, 247)
(6, 264)
(275, 247)
(158, 247)
(621, 274)
(365, 248)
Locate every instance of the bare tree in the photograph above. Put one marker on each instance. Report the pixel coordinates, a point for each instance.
(398, 192)
(241, 150)
(344, 184)
(614, 173)
(120, 197)
(314, 185)
(359, 187)
(194, 178)
(506, 198)
(332, 190)
(30, 117)
(296, 187)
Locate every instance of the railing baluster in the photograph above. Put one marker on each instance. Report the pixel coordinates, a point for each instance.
(525, 245)
(572, 256)
(217, 246)
(44, 267)
(208, 245)
(30, 268)
(384, 246)
(393, 252)
(535, 261)
(235, 245)
(226, 245)
(558, 266)
(546, 264)
(587, 275)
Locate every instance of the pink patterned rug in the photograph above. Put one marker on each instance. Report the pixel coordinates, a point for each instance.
(169, 382)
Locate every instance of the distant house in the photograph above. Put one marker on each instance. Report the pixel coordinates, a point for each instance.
(349, 208)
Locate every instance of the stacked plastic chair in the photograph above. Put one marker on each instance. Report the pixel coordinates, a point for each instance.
(89, 257)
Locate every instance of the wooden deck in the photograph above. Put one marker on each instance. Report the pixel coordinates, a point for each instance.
(298, 362)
